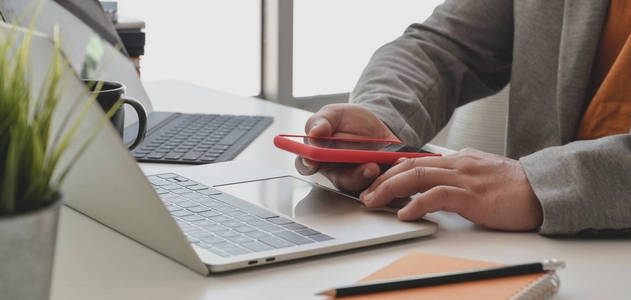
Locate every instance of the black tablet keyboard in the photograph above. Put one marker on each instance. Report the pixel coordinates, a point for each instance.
(199, 138)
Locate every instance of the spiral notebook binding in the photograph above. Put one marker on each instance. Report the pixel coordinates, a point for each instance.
(545, 287)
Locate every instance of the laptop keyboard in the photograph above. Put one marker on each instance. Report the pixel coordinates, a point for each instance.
(200, 139)
(224, 224)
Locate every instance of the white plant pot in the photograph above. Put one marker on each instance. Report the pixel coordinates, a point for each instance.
(27, 248)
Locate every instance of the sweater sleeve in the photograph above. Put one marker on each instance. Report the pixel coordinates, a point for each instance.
(461, 53)
(584, 186)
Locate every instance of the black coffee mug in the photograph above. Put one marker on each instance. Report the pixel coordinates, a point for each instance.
(108, 94)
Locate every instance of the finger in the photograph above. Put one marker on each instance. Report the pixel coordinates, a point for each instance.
(445, 198)
(306, 166)
(408, 183)
(352, 178)
(319, 127)
(409, 164)
(325, 121)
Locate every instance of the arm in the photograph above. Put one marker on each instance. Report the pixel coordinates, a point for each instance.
(583, 186)
(461, 53)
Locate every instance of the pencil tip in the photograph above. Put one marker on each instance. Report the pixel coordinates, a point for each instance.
(326, 293)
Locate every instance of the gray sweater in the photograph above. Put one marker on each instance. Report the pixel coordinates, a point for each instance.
(469, 49)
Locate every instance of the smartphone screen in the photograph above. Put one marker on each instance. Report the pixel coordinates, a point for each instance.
(356, 145)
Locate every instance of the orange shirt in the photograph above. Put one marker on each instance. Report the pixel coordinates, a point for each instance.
(609, 111)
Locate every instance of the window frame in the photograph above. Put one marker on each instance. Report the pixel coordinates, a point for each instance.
(277, 47)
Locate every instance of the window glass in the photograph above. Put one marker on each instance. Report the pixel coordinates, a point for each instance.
(333, 39)
(215, 44)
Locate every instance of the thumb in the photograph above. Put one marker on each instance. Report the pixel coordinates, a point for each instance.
(319, 126)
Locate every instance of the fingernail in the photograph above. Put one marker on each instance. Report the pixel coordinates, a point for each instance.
(368, 173)
(368, 198)
(402, 214)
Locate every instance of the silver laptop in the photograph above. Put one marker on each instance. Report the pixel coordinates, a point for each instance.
(211, 218)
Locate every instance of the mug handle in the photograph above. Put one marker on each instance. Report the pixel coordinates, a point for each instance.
(142, 120)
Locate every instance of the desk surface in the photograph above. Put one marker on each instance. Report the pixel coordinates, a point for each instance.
(94, 262)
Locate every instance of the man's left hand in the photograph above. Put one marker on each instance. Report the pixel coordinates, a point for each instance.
(487, 189)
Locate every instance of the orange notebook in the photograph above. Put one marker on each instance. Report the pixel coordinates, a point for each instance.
(532, 286)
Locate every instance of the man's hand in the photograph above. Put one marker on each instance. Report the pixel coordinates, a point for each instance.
(345, 120)
(485, 188)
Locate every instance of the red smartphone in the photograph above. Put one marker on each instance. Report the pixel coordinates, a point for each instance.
(347, 150)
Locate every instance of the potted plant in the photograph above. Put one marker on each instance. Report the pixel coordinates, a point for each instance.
(30, 173)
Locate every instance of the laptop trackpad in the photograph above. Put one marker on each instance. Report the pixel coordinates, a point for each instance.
(292, 197)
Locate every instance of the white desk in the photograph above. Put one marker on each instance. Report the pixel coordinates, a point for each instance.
(94, 262)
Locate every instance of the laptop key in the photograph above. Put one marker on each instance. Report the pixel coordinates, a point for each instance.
(248, 218)
(225, 245)
(187, 195)
(294, 226)
(202, 235)
(157, 181)
(275, 242)
(236, 213)
(244, 228)
(240, 239)
(167, 175)
(188, 183)
(270, 228)
(168, 196)
(177, 199)
(193, 218)
(160, 191)
(209, 192)
(256, 234)
(258, 222)
(181, 213)
(220, 218)
(256, 246)
(210, 213)
(209, 202)
(279, 220)
(181, 191)
(320, 237)
(307, 232)
(213, 240)
(171, 187)
(198, 209)
(190, 196)
(197, 187)
(227, 234)
(187, 204)
(232, 223)
(204, 222)
(224, 208)
(215, 228)
(293, 237)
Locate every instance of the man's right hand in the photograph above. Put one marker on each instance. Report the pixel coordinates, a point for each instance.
(345, 120)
